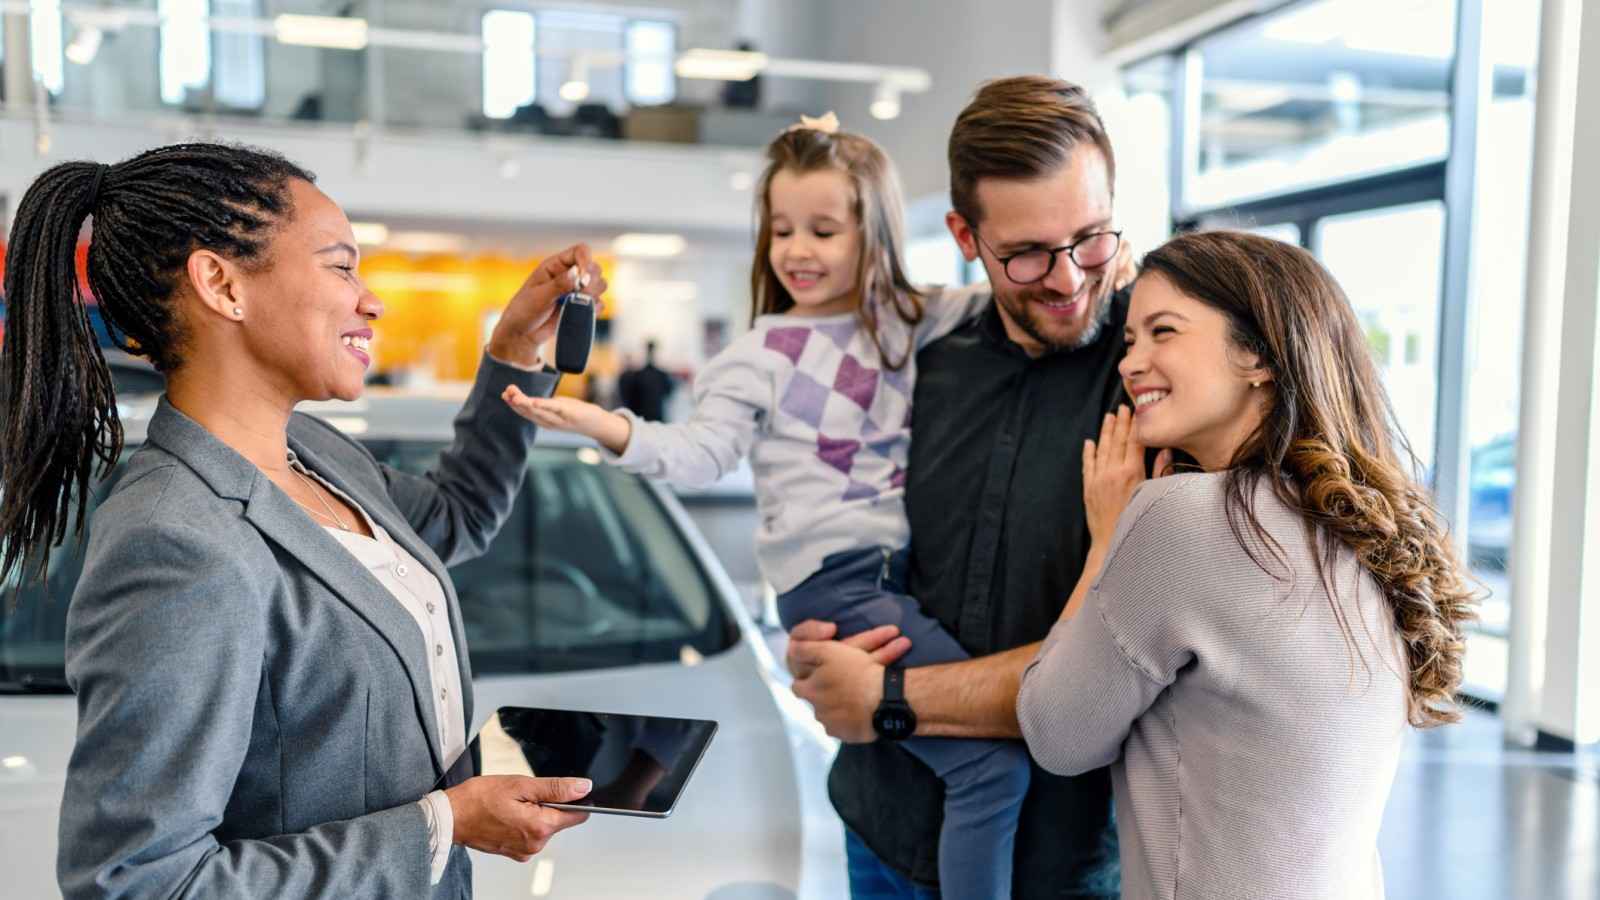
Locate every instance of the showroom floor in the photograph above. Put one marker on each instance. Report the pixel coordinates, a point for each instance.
(1472, 820)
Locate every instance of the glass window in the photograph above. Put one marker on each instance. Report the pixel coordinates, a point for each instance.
(1494, 370)
(652, 52)
(563, 37)
(1320, 92)
(241, 68)
(45, 37)
(509, 79)
(1142, 124)
(1390, 264)
(589, 572)
(185, 48)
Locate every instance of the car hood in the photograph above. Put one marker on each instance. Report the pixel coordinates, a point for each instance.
(753, 823)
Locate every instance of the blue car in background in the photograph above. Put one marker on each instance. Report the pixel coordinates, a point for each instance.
(1492, 475)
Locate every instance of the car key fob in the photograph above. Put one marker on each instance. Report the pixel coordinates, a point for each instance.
(575, 332)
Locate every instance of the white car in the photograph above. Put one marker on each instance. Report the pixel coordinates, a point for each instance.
(598, 594)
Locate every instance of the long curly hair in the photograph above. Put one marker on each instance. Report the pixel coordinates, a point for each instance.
(1329, 445)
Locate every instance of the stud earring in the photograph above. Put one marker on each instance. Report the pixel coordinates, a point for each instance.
(1255, 384)
(238, 311)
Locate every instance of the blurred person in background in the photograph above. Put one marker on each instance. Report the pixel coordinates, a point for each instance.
(644, 391)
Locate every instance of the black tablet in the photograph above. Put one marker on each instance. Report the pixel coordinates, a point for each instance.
(639, 765)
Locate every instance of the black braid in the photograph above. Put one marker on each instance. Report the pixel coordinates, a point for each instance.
(60, 423)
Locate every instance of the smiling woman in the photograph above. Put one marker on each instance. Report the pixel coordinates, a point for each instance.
(305, 569)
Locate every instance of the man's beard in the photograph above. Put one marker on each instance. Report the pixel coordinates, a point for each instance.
(1020, 309)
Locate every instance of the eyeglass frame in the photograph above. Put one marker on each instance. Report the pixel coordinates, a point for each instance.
(1005, 261)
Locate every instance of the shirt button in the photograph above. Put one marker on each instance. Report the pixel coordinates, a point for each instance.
(431, 607)
(401, 570)
(438, 649)
(443, 693)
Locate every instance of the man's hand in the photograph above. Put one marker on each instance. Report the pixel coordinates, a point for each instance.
(843, 680)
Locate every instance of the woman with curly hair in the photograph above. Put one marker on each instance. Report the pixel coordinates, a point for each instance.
(1250, 642)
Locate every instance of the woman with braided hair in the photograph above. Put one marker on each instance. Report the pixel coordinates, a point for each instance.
(265, 645)
(1249, 642)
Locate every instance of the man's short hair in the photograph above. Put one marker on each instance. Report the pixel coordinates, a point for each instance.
(1023, 127)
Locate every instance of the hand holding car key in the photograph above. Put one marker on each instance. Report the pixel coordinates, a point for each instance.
(575, 330)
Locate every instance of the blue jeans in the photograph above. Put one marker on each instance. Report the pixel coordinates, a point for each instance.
(871, 879)
(984, 780)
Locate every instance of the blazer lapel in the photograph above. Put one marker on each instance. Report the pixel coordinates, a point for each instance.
(283, 522)
(383, 511)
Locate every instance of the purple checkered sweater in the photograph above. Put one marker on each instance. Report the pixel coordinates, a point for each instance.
(826, 426)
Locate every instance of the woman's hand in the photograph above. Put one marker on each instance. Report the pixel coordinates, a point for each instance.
(609, 429)
(501, 814)
(529, 319)
(1113, 468)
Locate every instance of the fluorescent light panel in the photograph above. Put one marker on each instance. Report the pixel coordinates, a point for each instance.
(332, 32)
(720, 65)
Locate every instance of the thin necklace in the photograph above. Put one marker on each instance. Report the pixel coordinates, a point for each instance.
(325, 504)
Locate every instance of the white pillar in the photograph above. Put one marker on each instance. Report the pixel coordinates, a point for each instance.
(18, 72)
(1555, 119)
(1569, 707)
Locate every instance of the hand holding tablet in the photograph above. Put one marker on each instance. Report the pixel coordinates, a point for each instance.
(638, 765)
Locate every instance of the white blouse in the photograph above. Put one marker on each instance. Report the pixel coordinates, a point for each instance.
(420, 593)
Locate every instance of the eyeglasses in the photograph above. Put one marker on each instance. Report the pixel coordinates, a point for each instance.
(1088, 252)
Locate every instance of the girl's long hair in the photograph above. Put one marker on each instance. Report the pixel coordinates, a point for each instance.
(1329, 445)
(882, 282)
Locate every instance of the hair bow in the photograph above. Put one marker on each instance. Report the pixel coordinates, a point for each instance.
(827, 124)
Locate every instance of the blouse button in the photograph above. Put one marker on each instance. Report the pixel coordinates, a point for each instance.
(438, 649)
(430, 608)
(401, 570)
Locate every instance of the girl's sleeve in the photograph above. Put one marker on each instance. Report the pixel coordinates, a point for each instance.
(1099, 671)
(731, 398)
(946, 309)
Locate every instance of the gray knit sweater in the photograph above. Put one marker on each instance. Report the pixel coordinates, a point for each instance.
(1251, 749)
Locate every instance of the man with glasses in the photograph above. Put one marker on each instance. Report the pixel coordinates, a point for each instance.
(995, 500)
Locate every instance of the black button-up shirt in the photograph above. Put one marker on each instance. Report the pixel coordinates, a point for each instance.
(998, 539)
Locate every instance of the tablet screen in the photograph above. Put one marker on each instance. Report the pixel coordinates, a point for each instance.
(638, 764)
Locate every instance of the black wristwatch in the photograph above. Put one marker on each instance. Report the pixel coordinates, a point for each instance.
(894, 720)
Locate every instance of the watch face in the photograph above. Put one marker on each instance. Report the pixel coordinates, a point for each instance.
(894, 722)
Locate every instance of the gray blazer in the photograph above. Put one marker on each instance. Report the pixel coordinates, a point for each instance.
(254, 710)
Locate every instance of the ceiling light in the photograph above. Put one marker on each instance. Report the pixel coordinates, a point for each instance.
(885, 102)
(370, 234)
(720, 65)
(575, 91)
(83, 46)
(332, 32)
(656, 246)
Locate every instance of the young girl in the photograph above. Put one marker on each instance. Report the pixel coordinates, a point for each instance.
(818, 393)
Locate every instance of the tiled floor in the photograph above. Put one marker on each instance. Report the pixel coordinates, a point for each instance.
(1469, 819)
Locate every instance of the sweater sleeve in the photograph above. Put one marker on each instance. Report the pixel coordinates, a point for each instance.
(732, 396)
(1098, 672)
(946, 309)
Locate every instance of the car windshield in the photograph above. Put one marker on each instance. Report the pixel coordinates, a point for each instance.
(589, 572)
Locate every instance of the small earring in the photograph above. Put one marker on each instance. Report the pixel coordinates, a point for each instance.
(238, 311)
(1255, 384)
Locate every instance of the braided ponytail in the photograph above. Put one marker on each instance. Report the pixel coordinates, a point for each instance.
(58, 413)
